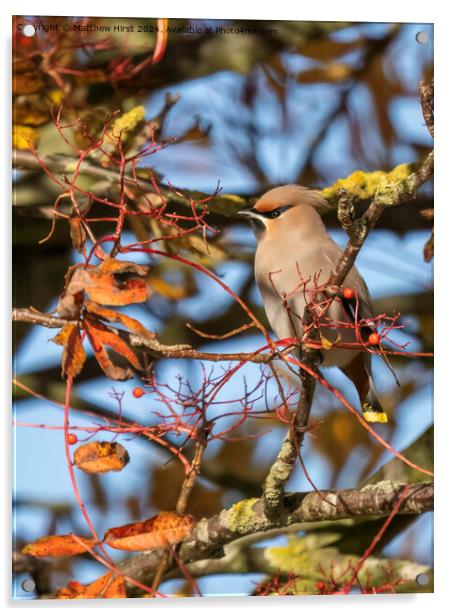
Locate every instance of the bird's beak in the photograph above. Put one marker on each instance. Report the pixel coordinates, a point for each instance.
(249, 214)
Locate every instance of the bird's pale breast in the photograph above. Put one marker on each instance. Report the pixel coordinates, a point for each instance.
(286, 284)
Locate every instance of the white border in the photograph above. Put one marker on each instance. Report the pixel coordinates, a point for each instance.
(346, 10)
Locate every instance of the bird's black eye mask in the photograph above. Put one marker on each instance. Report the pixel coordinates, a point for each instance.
(258, 225)
(276, 213)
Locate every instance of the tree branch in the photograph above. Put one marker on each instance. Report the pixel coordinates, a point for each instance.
(273, 489)
(247, 517)
(426, 91)
(389, 194)
(226, 205)
(152, 345)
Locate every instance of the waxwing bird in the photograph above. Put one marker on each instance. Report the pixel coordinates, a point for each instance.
(295, 256)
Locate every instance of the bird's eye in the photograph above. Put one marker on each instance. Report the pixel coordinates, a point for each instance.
(276, 213)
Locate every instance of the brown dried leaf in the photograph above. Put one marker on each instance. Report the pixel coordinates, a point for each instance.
(58, 545)
(101, 457)
(327, 50)
(78, 234)
(27, 83)
(165, 482)
(329, 73)
(101, 336)
(73, 353)
(164, 528)
(116, 317)
(109, 586)
(429, 248)
(428, 213)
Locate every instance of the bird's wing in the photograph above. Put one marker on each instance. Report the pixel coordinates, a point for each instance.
(355, 281)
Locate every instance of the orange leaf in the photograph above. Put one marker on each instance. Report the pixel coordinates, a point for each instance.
(58, 545)
(101, 336)
(164, 528)
(27, 83)
(105, 289)
(113, 266)
(109, 586)
(116, 317)
(101, 457)
(112, 282)
(73, 353)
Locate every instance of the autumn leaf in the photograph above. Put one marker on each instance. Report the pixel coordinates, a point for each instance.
(103, 284)
(105, 289)
(116, 317)
(109, 586)
(27, 83)
(101, 457)
(101, 336)
(58, 545)
(329, 73)
(164, 528)
(73, 352)
(78, 234)
(328, 50)
(327, 343)
(167, 290)
(24, 137)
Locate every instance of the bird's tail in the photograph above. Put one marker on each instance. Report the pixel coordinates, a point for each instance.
(372, 410)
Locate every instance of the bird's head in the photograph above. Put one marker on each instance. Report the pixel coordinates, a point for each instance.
(286, 209)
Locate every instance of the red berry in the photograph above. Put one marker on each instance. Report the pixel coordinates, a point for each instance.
(374, 338)
(348, 293)
(137, 392)
(72, 439)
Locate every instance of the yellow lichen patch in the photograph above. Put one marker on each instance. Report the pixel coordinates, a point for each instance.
(241, 516)
(234, 199)
(362, 185)
(375, 417)
(301, 554)
(128, 122)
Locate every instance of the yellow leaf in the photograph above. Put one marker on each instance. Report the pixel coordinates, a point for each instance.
(326, 344)
(24, 137)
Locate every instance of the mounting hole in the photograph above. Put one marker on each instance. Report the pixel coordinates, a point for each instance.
(422, 37)
(422, 579)
(28, 585)
(29, 30)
